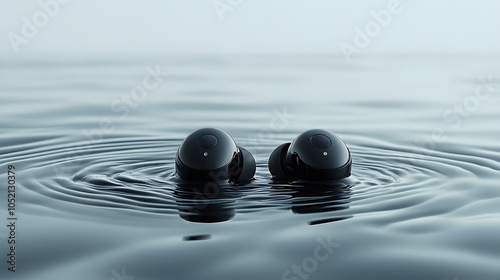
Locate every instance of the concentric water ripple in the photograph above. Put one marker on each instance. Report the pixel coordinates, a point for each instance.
(138, 174)
(91, 202)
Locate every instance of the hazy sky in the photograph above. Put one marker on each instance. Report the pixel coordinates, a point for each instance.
(90, 28)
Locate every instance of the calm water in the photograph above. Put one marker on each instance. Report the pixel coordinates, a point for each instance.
(97, 199)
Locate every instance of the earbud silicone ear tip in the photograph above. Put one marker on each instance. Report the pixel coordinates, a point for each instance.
(248, 166)
(277, 165)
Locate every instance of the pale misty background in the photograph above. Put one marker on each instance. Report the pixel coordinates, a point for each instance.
(418, 109)
(118, 28)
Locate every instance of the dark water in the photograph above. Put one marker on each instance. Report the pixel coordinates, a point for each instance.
(97, 199)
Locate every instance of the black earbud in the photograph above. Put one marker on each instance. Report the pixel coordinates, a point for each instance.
(314, 155)
(211, 154)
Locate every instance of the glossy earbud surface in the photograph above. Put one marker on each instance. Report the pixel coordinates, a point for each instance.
(314, 155)
(211, 154)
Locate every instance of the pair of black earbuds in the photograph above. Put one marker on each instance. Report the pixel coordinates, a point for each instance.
(211, 154)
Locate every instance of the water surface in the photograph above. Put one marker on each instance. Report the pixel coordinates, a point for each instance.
(98, 198)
